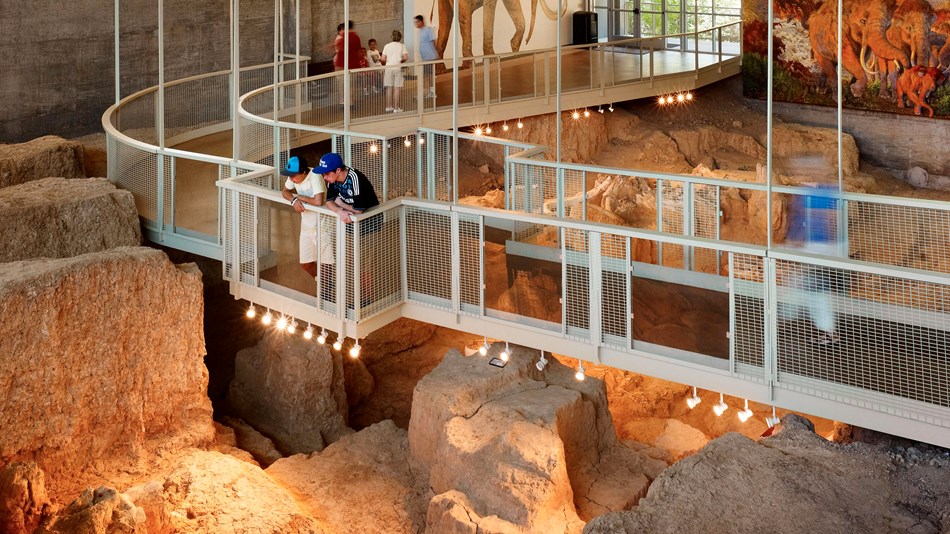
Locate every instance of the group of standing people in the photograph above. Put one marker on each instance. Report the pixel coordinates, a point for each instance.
(392, 56)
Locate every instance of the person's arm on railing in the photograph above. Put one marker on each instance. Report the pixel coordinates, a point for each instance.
(291, 196)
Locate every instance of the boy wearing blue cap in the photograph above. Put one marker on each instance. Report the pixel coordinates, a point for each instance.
(303, 187)
(349, 191)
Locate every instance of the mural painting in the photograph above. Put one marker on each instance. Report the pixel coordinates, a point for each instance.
(895, 54)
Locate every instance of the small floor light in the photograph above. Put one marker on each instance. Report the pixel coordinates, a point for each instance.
(720, 408)
(746, 413)
(338, 344)
(355, 350)
(267, 318)
(579, 375)
(542, 362)
(506, 353)
(291, 326)
(308, 333)
(251, 311)
(773, 419)
(483, 350)
(693, 401)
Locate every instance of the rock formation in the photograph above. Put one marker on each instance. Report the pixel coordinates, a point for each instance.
(793, 482)
(40, 158)
(56, 218)
(291, 390)
(105, 362)
(24, 504)
(99, 511)
(516, 449)
(246, 438)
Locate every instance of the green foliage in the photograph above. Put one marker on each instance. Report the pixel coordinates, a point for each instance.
(940, 100)
(754, 75)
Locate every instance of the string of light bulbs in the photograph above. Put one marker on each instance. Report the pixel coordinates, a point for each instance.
(288, 324)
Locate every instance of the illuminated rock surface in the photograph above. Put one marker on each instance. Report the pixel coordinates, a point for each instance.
(57, 218)
(99, 511)
(40, 158)
(24, 503)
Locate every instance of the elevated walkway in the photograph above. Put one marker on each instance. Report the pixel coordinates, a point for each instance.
(669, 299)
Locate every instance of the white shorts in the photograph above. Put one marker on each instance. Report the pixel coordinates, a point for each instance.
(310, 245)
(393, 78)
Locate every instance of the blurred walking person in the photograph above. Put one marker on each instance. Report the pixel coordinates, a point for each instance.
(393, 56)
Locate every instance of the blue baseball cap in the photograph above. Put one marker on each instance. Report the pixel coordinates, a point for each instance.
(329, 163)
(295, 165)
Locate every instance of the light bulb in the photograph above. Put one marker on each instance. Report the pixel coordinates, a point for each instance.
(745, 414)
(579, 375)
(506, 353)
(407, 142)
(322, 338)
(680, 97)
(504, 127)
(478, 131)
(576, 115)
(600, 109)
(267, 318)
(355, 350)
(337, 345)
(291, 326)
(720, 408)
(422, 140)
(373, 148)
(483, 350)
(251, 312)
(611, 108)
(693, 401)
(308, 333)
(488, 129)
(662, 100)
(773, 419)
(587, 113)
(542, 363)
(520, 124)
(689, 96)
(282, 323)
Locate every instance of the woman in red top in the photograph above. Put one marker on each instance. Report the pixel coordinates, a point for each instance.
(354, 51)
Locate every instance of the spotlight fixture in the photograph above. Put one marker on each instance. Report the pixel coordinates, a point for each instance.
(579, 375)
(355, 350)
(373, 148)
(773, 419)
(478, 130)
(251, 311)
(689, 96)
(422, 140)
(720, 408)
(483, 350)
(322, 338)
(600, 109)
(338, 344)
(520, 124)
(586, 113)
(504, 127)
(407, 142)
(487, 130)
(267, 318)
(308, 333)
(746, 413)
(505, 353)
(693, 401)
(282, 323)
(291, 326)
(575, 115)
(681, 98)
(542, 362)
(662, 100)
(610, 108)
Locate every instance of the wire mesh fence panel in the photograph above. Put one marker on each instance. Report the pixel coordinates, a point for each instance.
(575, 194)
(257, 142)
(366, 155)
(247, 235)
(440, 168)
(907, 236)
(878, 340)
(195, 104)
(576, 296)
(326, 279)
(706, 216)
(516, 77)
(533, 188)
(377, 234)
(136, 118)
(470, 264)
(670, 206)
(429, 256)
(402, 166)
(747, 334)
(136, 170)
(615, 290)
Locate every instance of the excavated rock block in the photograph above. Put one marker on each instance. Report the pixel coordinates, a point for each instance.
(209, 492)
(361, 483)
(100, 511)
(252, 441)
(103, 361)
(292, 391)
(24, 503)
(59, 218)
(40, 158)
(794, 481)
(812, 151)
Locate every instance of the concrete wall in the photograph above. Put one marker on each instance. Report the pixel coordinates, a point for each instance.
(57, 57)
(327, 14)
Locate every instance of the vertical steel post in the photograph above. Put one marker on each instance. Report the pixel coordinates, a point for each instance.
(595, 292)
(117, 58)
(403, 258)
(357, 278)
(235, 83)
(731, 334)
(558, 87)
(455, 101)
(768, 124)
(346, 65)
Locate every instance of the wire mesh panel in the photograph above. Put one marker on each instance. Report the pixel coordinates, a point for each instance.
(576, 283)
(907, 236)
(377, 236)
(429, 256)
(670, 204)
(198, 103)
(706, 224)
(136, 118)
(747, 296)
(875, 340)
(402, 166)
(247, 235)
(136, 170)
(470, 264)
(575, 194)
(615, 290)
(366, 155)
(326, 279)
(533, 188)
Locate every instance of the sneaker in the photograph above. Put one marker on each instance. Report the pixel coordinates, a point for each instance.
(388, 110)
(397, 110)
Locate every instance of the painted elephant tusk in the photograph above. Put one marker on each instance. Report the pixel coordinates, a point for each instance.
(866, 62)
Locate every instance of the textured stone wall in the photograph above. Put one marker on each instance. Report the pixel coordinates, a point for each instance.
(327, 14)
(58, 57)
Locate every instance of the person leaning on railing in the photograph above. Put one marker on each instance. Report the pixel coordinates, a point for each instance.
(303, 187)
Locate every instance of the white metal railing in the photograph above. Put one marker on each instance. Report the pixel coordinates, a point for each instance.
(577, 285)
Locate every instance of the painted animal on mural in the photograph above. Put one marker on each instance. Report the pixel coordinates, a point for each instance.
(916, 84)
(467, 10)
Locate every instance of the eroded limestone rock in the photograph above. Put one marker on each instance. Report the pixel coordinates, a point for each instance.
(58, 218)
(252, 441)
(40, 158)
(100, 511)
(24, 503)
